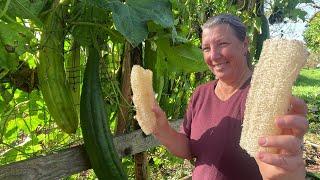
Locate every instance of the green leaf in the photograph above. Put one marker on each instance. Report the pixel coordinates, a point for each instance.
(15, 37)
(297, 13)
(161, 71)
(257, 24)
(182, 58)
(7, 129)
(10, 133)
(8, 61)
(27, 9)
(14, 40)
(3, 104)
(99, 3)
(93, 21)
(131, 18)
(9, 156)
(153, 27)
(34, 96)
(158, 11)
(128, 23)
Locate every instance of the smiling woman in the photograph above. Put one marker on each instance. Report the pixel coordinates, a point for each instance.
(226, 57)
(212, 124)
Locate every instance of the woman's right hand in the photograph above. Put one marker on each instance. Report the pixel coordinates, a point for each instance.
(177, 143)
(162, 124)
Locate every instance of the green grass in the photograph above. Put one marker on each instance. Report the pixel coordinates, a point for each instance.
(307, 85)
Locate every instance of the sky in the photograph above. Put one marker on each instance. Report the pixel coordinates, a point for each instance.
(294, 30)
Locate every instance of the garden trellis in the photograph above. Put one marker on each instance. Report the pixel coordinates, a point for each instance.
(27, 129)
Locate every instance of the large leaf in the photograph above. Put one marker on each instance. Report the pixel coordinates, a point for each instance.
(27, 9)
(94, 20)
(15, 37)
(158, 11)
(131, 18)
(13, 43)
(155, 61)
(129, 23)
(182, 58)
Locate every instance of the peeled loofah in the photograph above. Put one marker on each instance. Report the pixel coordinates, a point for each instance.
(143, 98)
(270, 91)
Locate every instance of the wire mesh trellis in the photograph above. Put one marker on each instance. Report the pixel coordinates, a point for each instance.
(26, 127)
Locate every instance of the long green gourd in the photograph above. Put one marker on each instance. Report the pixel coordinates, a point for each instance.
(96, 133)
(52, 77)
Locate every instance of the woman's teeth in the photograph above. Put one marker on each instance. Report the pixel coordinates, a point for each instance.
(220, 64)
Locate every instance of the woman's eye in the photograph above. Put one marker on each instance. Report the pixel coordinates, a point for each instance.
(205, 49)
(223, 43)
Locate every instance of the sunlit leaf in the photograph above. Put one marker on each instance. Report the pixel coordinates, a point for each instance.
(182, 58)
(8, 61)
(27, 9)
(14, 40)
(9, 156)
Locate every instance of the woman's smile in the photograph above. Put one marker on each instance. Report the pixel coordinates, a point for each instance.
(220, 65)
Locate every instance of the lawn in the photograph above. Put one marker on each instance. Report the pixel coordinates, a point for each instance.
(307, 87)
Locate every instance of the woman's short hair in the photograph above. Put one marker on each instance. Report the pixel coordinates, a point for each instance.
(234, 22)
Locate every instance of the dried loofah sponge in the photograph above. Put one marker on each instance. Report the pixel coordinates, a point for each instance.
(143, 98)
(270, 91)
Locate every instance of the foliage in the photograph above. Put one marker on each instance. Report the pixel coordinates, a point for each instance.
(281, 9)
(26, 128)
(15, 39)
(169, 32)
(312, 33)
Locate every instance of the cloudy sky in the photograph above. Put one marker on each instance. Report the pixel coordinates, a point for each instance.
(294, 30)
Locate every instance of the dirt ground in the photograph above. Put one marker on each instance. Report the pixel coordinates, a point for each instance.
(312, 154)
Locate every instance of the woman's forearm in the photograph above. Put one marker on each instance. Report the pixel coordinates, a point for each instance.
(176, 143)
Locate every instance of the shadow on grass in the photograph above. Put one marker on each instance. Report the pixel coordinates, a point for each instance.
(306, 81)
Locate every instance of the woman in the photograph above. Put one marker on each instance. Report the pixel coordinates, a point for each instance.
(211, 129)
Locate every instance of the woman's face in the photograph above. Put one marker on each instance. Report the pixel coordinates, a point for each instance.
(223, 52)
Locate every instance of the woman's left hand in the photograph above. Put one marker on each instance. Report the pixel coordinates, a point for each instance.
(288, 163)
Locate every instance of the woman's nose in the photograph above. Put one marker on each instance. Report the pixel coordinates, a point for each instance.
(215, 54)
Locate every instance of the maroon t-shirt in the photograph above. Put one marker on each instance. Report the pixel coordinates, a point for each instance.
(214, 128)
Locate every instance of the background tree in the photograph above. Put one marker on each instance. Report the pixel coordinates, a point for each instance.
(312, 33)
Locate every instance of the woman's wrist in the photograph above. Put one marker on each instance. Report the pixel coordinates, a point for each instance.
(160, 130)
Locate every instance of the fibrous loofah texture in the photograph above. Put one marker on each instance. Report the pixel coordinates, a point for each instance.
(143, 98)
(270, 91)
